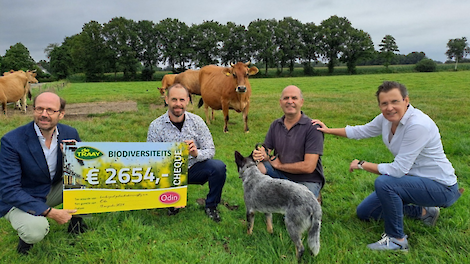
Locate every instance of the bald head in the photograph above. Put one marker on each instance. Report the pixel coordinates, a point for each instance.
(50, 97)
(292, 89)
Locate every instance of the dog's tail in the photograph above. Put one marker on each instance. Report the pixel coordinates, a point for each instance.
(314, 232)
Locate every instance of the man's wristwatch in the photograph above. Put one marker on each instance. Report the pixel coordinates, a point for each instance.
(359, 164)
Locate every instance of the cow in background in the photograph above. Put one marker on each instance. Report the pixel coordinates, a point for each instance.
(167, 81)
(190, 80)
(13, 87)
(226, 88)
(27, 88)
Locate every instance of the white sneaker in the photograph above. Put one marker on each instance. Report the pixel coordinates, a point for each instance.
(389, 243)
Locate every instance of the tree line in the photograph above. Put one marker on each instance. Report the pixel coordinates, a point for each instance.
(127, 46)
(121, 45)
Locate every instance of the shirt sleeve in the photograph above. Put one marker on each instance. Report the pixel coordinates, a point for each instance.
(314, 141)
(11, 189)
(153, 135)
(414, 141)
(204, 142)
(371, 129)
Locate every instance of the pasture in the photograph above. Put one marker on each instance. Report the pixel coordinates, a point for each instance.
(151, 236)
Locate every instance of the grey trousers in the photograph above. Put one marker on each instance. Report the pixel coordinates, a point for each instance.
(32, 229)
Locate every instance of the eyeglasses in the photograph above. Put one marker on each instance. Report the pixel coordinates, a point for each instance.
(40, 110)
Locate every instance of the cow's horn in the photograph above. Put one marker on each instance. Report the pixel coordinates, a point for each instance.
(248, 63)
(231, 64)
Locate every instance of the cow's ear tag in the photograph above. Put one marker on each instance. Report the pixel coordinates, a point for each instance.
(227, 73)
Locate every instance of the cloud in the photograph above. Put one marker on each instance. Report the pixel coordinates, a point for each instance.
(416, 25)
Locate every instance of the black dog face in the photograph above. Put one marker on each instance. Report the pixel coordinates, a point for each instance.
(242, 161)
(239, 160)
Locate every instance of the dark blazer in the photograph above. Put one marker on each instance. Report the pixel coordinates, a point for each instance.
(25, 180)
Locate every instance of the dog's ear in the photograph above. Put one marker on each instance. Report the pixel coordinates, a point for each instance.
(239, 159)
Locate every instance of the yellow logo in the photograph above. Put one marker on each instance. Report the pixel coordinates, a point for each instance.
(87, 153)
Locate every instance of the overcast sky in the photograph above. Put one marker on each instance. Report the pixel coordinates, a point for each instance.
(416, 25)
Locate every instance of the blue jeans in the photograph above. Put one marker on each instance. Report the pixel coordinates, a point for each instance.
(212, 171)
(395, 197)
(314, 187)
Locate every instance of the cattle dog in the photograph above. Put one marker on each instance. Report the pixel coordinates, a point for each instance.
(269, 195)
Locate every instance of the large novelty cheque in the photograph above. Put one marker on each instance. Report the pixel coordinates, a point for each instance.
(117, 176)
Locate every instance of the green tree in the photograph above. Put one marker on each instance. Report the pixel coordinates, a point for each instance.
(261, 41)
(458, 49)
(333, 35)
(288, 38)
(60, 62)
(175, 42)
(149, 54)
(49, 49)
(426, 65)
(16, 58)
(358, 45)
(413, 57)
(388, 47)
(207, 43)
(121, 38)
(235, 44)
(310, 46)
(89, 51)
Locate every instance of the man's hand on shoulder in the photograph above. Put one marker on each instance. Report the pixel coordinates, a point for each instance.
(322, 127)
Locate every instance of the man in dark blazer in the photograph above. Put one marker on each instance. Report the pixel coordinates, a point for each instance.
(31, 173)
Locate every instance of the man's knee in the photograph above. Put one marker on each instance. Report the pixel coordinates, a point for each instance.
(34, 231)
(363, 213)
(382, 182)
(219, 168)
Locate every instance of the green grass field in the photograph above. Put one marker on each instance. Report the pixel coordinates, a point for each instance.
(150, 236)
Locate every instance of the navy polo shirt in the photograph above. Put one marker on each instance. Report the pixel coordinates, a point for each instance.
(292, 145)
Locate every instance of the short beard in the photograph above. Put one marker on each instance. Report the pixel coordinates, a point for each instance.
(175, 115)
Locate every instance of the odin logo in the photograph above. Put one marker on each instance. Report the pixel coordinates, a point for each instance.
(169, 197)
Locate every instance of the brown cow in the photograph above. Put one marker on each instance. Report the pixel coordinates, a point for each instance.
(167, 81)
(190, 80)
(227, 88)
(27, 88)
(13, 88)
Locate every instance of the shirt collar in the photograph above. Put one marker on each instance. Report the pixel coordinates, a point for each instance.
(303, 119)
(39, 134)
(166, 116)
(407, 114)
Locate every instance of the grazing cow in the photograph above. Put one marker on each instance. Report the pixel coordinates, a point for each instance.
(27, 88)
(226, 88)
(13, 88)
(190, 80)
(167, 81)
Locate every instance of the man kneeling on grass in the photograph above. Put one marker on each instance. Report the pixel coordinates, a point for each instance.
(418, 181)
(177, 125)
(31, 173)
